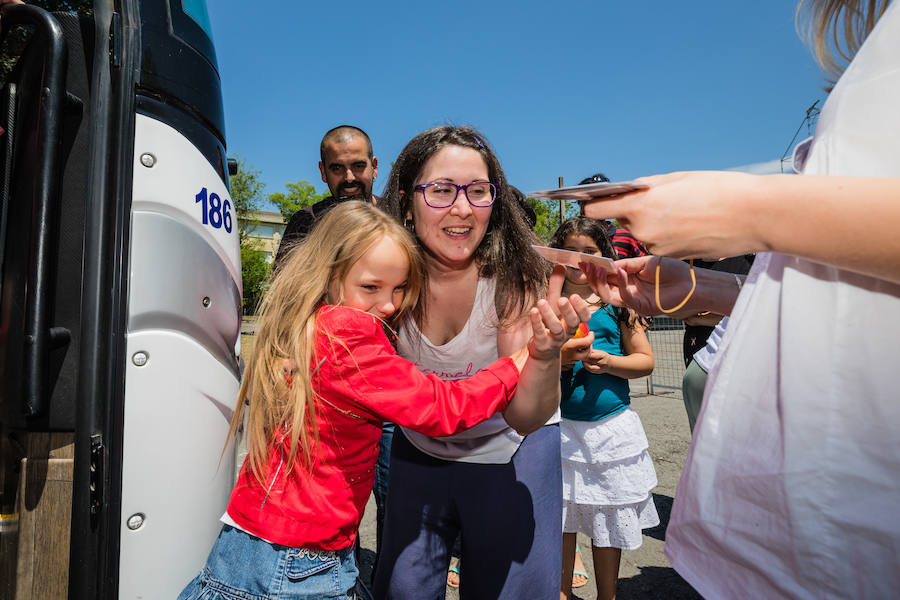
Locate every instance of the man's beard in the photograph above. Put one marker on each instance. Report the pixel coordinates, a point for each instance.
(353, 191)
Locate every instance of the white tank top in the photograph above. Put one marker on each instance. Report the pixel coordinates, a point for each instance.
(473, 349)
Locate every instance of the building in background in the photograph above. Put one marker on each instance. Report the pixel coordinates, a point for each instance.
(264, 230)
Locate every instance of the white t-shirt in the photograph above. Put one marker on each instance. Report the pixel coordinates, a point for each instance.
(705, 357)
(473, 349)
(792, 483)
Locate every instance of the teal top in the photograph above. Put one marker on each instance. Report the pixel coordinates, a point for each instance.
(593, 396)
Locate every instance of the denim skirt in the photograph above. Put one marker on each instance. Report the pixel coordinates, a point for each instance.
(243, 566)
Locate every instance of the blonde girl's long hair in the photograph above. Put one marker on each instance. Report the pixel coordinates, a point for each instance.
(834, 30)
(287, 330)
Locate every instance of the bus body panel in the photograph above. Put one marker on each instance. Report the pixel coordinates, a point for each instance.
(182, 376)
(175, 427)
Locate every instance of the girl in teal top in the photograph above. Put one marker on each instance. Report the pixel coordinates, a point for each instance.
(608, 475)
(589, 395)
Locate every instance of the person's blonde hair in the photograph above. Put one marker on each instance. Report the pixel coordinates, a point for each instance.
(287, 329)
(834, 30)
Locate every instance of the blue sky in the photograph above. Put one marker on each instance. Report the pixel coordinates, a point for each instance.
(561, 88)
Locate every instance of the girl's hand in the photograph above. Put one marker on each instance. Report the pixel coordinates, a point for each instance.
(688, 215)
(576, 349)
(597, 362)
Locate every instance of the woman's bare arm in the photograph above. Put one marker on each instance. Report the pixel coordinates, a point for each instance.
(715, 214)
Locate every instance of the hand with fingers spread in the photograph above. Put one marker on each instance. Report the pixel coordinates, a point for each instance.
(553, 321)
(551, 331)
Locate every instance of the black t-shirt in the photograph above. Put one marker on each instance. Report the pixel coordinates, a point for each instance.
(300, 225)
(695, 336)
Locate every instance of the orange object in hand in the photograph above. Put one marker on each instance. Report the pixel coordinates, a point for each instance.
(582, 330)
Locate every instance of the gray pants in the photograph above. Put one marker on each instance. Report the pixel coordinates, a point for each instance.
(692, 386)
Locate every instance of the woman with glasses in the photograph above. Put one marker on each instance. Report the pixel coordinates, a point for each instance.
(498, 489)
(791, 486)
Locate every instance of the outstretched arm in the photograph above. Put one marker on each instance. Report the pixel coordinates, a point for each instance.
(634, 285)
(715, 214)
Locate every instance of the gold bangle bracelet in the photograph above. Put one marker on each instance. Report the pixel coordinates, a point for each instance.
(686, 298)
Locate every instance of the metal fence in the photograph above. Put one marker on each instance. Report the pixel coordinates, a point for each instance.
(666, 338)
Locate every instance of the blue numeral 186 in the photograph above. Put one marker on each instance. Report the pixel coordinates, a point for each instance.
(215, 213)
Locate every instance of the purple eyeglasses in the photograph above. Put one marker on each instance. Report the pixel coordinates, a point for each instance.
(441, 194)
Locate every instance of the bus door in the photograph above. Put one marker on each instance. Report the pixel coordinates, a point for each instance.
(119, 298)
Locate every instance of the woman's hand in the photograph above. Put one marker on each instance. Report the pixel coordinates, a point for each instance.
(550, 331)
(555, 320)
(696, 214)
(633, 283)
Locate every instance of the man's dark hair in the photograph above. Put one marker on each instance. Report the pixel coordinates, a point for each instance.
(595, 178)
(344, 133)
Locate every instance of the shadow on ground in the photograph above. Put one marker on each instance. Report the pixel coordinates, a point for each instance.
(366, 564)
(656, 583)
(652, 583)
(664, 510)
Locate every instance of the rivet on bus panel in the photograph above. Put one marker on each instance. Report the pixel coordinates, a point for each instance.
(135, 521)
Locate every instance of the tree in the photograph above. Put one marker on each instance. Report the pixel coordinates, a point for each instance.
(547, 212)
(299, 196)
(247, 196)
(255, 273)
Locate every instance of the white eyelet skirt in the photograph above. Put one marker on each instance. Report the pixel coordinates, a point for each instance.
(608, 478)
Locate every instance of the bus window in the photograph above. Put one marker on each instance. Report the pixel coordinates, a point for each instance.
(196, 9)
(14, 42)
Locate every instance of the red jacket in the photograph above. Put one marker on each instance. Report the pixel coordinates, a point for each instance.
(361, 383)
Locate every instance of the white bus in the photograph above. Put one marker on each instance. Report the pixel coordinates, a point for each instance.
(120, 296)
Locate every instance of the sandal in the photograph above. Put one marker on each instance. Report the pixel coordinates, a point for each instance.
(579, 578)
(454, 569)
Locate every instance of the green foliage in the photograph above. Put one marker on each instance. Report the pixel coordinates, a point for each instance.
(547, 212)
(299, 195)
(247, 195)
(255, 273)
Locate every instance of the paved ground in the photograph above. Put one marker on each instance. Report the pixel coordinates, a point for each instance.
(645, 572)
